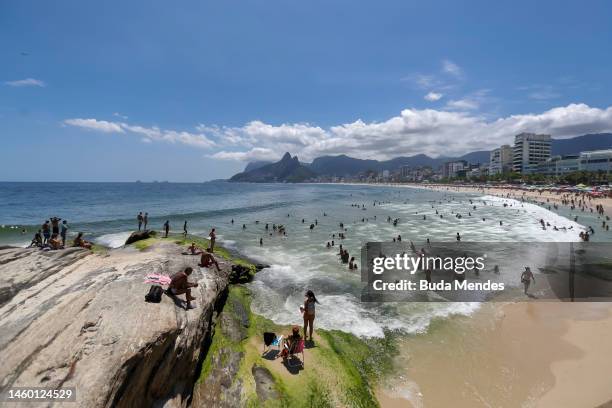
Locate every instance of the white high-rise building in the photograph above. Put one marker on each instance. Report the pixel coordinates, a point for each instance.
(500, 160)
(529, 150)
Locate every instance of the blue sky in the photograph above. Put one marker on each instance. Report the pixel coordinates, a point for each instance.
(190, 91)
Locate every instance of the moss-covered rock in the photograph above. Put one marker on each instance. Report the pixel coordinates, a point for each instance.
(339, 369)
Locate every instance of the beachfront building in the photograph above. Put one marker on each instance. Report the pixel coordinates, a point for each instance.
(453, 168)
(592, 161)
(530, 149)
(557, 166)
(596, 160)
(500, 160)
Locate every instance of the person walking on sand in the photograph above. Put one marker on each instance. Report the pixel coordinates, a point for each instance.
(527, 277)
(64, 231)
(185, 229)
(167, 228)
(213, 238)
(145, 220)
(308, 311)
(179, 284)
(139, 218)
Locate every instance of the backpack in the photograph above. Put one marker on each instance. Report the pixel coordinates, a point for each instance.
(154, 295)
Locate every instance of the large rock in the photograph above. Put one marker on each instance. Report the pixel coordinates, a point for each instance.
(74, 319)
(139, 236)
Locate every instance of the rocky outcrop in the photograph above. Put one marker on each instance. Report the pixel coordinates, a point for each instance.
(139, 236)
(70, 318)
(221, 386)
(288, 169)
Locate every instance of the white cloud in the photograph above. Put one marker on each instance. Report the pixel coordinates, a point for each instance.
(433, 96)
(94, 124)
(149, 134)
(462, 104)
(451, 68)
(255, 154)
(544, 95)
(26, 82)
(413, 131)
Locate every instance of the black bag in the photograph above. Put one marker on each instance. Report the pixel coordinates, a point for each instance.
(154, 295)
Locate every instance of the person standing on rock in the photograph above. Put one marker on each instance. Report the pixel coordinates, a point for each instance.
(46, 231)
(213, 238)
(63, 232)
(180, 284)
(55, 225)
(145, 219)
(167, 228)
(140, 219)
(308, 311)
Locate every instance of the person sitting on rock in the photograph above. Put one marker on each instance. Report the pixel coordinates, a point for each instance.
(55, 242)
(290, 342)
(180, 284)
(80, 242)
(193, 249)
(37, 241)
(208, 260)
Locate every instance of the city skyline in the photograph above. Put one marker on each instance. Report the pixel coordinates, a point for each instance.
(192, 93)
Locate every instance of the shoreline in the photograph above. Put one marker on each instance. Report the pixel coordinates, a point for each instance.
(537, 196)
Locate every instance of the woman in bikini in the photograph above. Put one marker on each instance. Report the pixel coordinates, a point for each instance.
(308, 310)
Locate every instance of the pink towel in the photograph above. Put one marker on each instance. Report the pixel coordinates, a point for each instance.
(157, 278)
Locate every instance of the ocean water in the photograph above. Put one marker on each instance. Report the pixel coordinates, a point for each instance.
(106, 213)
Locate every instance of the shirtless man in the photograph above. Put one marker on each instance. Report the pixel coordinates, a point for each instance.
(193, 249)
(180, 284)
(208, 260)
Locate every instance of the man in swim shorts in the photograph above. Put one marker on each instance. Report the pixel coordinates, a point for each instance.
(180, 284)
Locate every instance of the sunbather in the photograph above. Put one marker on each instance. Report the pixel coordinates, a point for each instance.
(80, 242)
(193, 249)
(291, 341)
(37, 241)
(55, 242)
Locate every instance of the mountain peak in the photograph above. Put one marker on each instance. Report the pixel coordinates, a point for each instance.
(286, 156)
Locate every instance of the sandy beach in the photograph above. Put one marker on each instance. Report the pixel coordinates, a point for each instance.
(510, 355)
(540, 197)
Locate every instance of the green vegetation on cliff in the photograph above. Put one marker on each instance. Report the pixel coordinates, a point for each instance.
(340, 369)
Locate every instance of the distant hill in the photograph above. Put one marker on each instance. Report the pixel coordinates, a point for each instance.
(288, 169)
(343, 165)
(579, 144)
(256, 164)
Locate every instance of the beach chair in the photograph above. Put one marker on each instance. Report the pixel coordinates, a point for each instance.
(271, 340)
(299, 348)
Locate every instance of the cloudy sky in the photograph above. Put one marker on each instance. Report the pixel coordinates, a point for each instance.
(120, 91)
